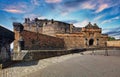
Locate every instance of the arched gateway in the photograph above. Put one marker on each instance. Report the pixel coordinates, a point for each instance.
(91, 42)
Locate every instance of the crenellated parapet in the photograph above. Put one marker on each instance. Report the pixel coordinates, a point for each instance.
(18, 26)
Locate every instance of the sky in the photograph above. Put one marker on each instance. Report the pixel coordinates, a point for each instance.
(106, 13)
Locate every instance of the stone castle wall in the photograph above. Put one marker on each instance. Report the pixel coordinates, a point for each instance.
(34, 41)
(72, 41)
(48, 27)
(81, 40)
(113, 43)
(49, 34)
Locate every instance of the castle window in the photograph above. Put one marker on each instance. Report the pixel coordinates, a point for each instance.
(97, 42)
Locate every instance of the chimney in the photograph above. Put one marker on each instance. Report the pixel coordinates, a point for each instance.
(27, 20)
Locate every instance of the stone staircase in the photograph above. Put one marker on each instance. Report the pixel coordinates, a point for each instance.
(18, 56)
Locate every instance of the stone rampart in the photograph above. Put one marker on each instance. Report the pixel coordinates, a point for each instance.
(113, 43)
(34, 41)
(72, 41)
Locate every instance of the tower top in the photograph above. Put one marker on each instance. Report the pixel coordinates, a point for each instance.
(18, 26)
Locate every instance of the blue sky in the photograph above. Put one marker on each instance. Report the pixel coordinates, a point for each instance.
(106, 13)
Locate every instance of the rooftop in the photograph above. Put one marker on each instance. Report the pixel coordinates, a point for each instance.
(95, 26)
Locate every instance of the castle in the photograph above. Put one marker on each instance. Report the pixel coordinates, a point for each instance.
(46, 34)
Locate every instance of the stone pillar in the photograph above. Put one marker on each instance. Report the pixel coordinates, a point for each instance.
(71, 28)
(18, 28)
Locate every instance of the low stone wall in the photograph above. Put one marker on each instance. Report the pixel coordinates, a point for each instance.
(27, 55)
(113, 43)
(108, 52)
(36, 55)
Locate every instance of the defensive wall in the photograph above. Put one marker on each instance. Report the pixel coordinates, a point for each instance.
(72, 41)
(113, 43)
(34, 41)
(28, 55)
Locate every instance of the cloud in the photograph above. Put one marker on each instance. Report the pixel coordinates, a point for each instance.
(75, 5)
(41, 17)
(88, 5)
(35, 2)
(101, 7)
(98, 18)
(115, 32)
(110, 20)
(20, 7)
(81, 24)
(53, 1)
(66, 11)
(13, 10)
(31, 16)
(70, 6)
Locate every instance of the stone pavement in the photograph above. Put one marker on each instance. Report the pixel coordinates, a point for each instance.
(83, 66)
(113, 52)
(72, 65)
(24, 68)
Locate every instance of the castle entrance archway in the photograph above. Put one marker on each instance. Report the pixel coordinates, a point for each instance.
(91, 41)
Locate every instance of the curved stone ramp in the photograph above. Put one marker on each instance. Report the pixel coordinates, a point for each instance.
(22, 69)
(82, 66)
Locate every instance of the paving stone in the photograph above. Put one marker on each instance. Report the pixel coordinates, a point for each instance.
(83, 66)
(25, 68)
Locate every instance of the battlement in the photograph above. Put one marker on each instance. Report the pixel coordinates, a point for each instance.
(18, 26)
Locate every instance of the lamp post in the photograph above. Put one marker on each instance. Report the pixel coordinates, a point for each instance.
(106, 51)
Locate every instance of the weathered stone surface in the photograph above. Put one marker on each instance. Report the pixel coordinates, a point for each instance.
(113, 43)
(29, 55)
(35, 41)
(82, 66)
(37, 35)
